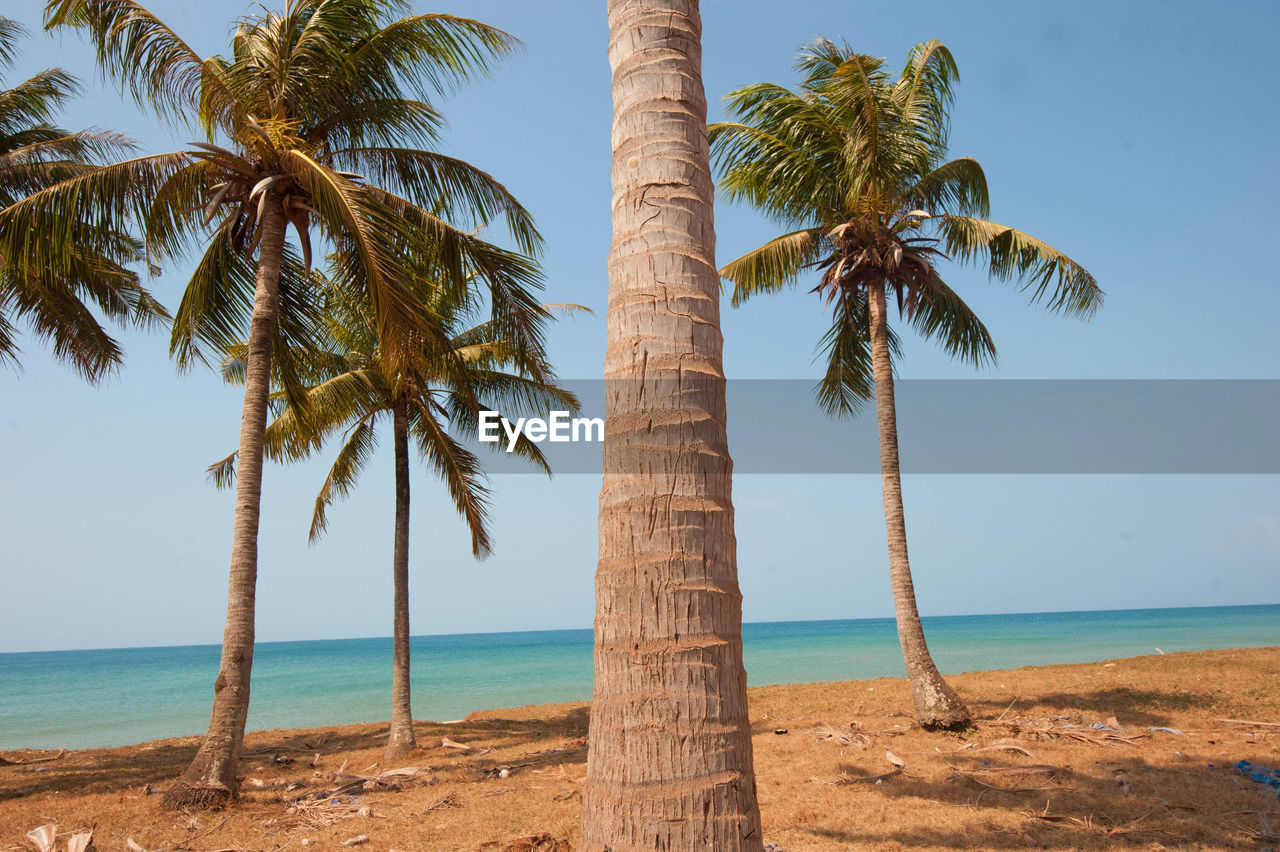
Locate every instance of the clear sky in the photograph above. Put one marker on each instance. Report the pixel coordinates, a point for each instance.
(1140, 137)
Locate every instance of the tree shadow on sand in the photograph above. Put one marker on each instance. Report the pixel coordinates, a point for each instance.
(1113, 801)
(1140, 707)
(137, 770)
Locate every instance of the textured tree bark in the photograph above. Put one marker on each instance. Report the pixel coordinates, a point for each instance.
(210, 781)
(937, 704)
(669, 764)
(401, 740)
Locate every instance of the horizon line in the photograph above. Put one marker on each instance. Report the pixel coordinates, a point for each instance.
(567, 629)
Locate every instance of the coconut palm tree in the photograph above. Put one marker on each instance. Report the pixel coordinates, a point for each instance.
(312, 123)
(669, 762)
(48, 294)
(353, 388)
(855, 165)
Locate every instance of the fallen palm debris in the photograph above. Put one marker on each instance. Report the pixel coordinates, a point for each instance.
(532, 843)
(442, 802)
(977, 776)
(345, 783)
(1089, 823)
(830, 734)
(1059, 728)
(873, 779)
(1006, 745)
(1247, 722)
(445, 742)
(13, 761)
(43, 837)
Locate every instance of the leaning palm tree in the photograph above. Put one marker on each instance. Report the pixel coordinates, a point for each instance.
(855, 165)
(353, 388)
(313, 122)
(57, 298)
(669, 761)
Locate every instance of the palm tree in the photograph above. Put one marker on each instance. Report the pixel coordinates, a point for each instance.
(353, 387)
(310, 124)
(854, 165)
(49, 295)
(669, 763)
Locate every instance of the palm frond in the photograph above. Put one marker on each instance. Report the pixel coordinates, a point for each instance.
(924, 92)
(958, 186)
(460, 469)
(436, 51)
(45, 228)
(939, 314)
(354, 216)
(10, 32)
(216, 305)
(849, 382)
(222, 474)
(35, 101)
(457, 188)
(142, 54)
(1012, 255)
(774, 265)
(351, 460)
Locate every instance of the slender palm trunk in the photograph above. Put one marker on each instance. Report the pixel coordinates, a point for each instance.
(401, 740)
(210, 780)
(669, 764)
(937, 704)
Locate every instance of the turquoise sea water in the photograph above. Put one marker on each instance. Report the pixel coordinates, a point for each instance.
(82, 699)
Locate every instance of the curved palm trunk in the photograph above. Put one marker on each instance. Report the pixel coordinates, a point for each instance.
(401, 740)
(669, 764)
(937, 704)
(210, 780)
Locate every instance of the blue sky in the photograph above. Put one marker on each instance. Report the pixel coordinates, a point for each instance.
(1138, 137)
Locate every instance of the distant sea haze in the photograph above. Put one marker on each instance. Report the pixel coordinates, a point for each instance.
(89, 699)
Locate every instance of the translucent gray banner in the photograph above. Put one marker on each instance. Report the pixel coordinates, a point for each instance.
(969, 427)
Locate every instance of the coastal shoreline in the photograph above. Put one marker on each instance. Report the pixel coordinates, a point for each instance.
(117, 698)
(980, 788)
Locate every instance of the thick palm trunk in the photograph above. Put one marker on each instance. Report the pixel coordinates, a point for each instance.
(210, 780)
(401, 740)
(937, 704)
(669, 764)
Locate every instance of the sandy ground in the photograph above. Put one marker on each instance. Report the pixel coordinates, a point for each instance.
(1034, 773)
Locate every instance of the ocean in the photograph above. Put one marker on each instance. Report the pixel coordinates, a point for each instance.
(99, 698)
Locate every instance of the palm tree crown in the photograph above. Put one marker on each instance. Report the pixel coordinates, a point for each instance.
(57, 300)
(352, 387)
(315, 115)
(855, 163)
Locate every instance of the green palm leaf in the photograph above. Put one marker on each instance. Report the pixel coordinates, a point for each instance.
(774, 265)
(1013, 255)
(351, 460)
(64, 263)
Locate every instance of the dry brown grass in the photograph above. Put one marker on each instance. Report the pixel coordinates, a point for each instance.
(1028, 780)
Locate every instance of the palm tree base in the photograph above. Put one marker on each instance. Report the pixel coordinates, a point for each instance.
(398, 748)
(945, 712)
(953, 721)
(182, 796)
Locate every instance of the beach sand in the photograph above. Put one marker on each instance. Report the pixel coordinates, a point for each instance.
(1033, 774)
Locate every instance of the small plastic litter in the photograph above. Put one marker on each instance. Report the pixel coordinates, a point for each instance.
(1261, 774)
(1173, 731)
(1101, 727)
